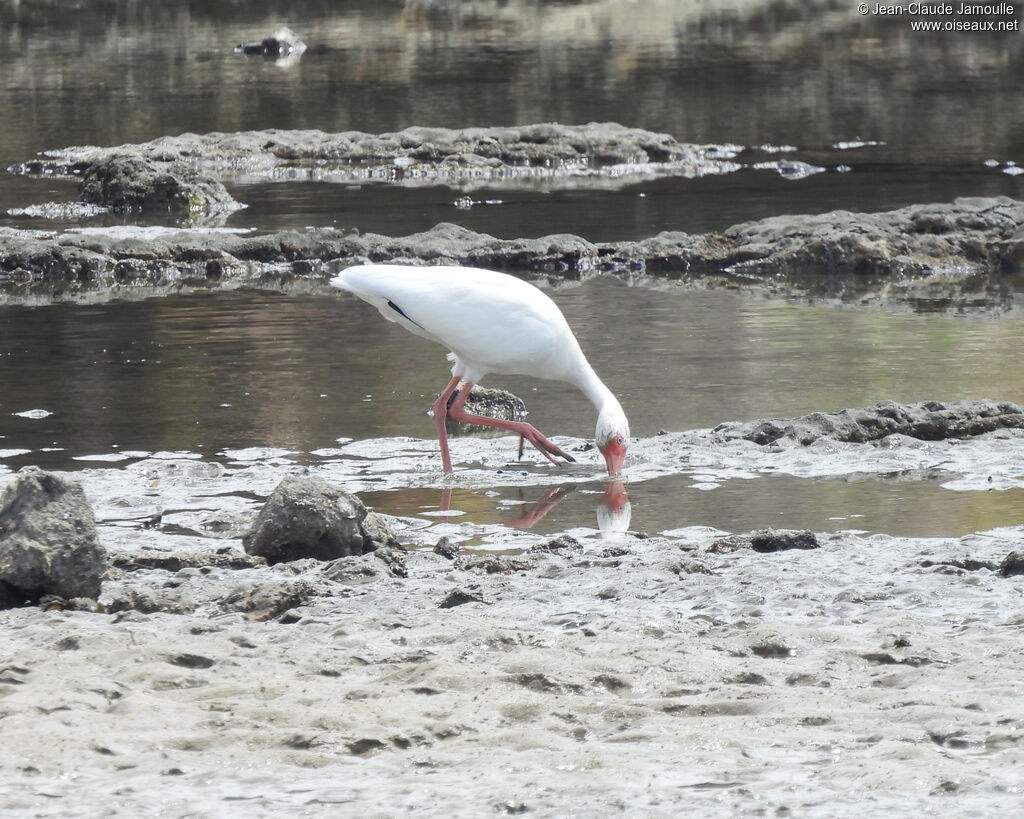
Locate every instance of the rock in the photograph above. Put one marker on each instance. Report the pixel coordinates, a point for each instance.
(772, 651)
(965, 269)
(446, 548)
(926, 421)
(378, 532)
(151, 600)
(777, 540)
(1013, 564)
(309, 518)
(559, 545)
(175, 561)
(131, 183)
(730, 543)
(448, 153)
(496, 564)
(490, 403)
(766, 540)
(964, 565)
(265, 601)
(459, 597)
(48, 541)
(351, 570)
(494, 403)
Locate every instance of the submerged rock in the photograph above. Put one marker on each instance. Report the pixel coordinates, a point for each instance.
(309, 518)
(48, 541)
(926, 421)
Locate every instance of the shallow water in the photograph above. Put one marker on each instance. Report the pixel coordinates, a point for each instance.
(214, 373)
(903, 506)
(816, 79)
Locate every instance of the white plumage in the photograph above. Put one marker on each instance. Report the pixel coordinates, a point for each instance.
(492, 323)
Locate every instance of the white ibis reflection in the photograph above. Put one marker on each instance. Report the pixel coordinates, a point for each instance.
(613, 508)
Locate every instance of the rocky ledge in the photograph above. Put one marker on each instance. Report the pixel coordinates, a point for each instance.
(963, 255)
(967, 254)
(191, 166)
(924, 421)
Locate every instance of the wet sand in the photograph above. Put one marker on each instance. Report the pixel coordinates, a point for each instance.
(656, 673)
(593, 673)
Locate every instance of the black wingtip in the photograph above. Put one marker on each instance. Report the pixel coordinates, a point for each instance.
(402, 313)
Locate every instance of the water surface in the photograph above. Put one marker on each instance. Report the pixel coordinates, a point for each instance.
(810, 78)
(889, 117)
(213, 372)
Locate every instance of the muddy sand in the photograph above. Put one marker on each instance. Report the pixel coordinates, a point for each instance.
(593, 671)
(601, 671)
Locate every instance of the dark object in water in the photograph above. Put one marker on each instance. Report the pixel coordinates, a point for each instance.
(282, 44)
(268, 47)
(1012, 564)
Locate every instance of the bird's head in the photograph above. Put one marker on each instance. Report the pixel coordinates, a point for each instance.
(612, 436)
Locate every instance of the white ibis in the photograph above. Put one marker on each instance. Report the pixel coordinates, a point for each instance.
(492, 323)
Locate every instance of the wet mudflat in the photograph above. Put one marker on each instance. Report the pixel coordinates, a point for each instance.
(725, 676)
(519, 671)
(594, 648)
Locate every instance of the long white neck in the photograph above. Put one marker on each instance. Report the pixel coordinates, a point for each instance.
(610, 417)
(593, 387)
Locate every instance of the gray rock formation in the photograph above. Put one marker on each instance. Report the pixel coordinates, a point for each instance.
(949, 256)
(309, 518)
(48, 542)
(767, 540)
(927, 421)
(490, 403)
(131, 183)
(415, 152)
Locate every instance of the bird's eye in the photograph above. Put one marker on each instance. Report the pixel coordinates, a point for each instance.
(618, 440)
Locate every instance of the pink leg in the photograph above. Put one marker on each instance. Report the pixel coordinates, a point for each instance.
(527, 431)
(538, 510)
(440, 411)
